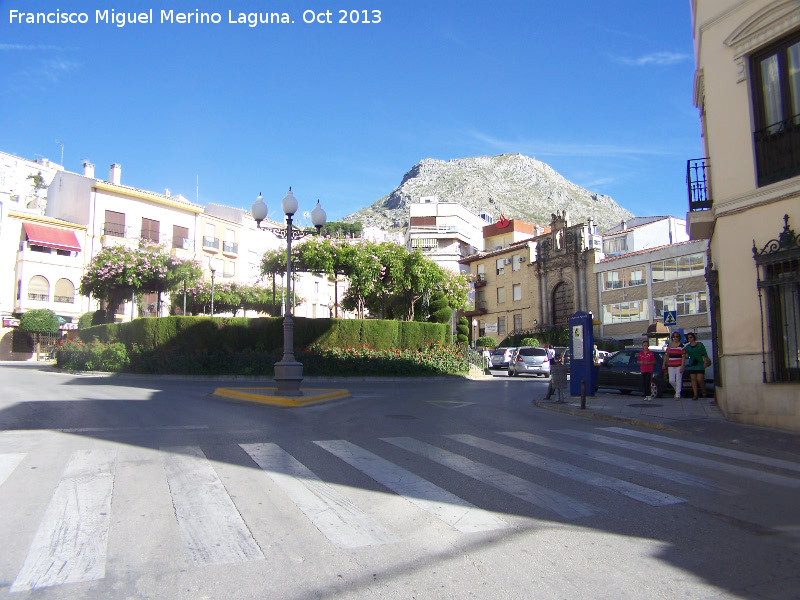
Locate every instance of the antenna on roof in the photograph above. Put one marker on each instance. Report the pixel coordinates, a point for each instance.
(198, 189)
(60, 143)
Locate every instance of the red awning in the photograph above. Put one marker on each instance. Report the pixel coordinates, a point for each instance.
(50, 237)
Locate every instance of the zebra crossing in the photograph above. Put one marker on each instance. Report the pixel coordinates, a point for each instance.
(70, 544)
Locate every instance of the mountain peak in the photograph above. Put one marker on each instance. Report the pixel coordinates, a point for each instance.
(519, 186)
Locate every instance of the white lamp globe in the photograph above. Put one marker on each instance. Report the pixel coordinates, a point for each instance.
(318, 216)
(289, 204)
(259, 209)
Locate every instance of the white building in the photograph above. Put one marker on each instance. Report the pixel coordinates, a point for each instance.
(17, 188)
(114, 214)
(446, 232)
(643, 233)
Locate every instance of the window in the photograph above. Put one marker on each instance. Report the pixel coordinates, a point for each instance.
(210, 238)
(633, 276)
(517, 290)
(230, 268)
(180, 237)
(114, 224)
(695, 303)
(229, 245)
(625, 312)
(38, 289)
(778, 268)
(615, 245)
(776, 101)
(501, 264)
(612, 280)
(678, 268)
(64, 291)
(501, 295)
(480, 296)
(628, 277)
(517, 322)
(150, 230)
(515, 262)
(501, 325)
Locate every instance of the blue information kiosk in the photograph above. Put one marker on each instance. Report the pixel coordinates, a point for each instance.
(581, 343)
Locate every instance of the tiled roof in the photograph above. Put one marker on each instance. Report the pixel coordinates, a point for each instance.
(637, 252)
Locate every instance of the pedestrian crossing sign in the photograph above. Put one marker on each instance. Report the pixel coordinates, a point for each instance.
(670, 317)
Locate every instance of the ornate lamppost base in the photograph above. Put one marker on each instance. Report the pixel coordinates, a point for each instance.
(288, 377)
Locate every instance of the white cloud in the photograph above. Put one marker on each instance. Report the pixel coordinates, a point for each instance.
(657, 58)
(551, 148)
(27, 47)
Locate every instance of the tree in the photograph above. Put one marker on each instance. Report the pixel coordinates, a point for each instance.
(38, 321)
(462, 330)
(439, 309)
(116, 273)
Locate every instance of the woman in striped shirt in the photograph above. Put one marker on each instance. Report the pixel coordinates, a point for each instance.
(674, 360)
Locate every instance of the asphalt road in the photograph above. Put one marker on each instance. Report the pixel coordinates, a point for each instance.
(128, 488)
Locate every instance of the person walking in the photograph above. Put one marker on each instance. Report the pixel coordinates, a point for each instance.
(647, 361)
(674, 360)
(696, 362)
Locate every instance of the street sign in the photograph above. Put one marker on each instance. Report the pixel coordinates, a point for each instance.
(670, 317)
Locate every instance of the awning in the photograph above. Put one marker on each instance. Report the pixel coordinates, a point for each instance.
(50, 237)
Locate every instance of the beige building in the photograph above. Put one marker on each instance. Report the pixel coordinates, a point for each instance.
(634, 290)
(745, 199)
(534, 284)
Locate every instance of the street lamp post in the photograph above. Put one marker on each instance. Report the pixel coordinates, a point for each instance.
(288, 371)
(213, 271)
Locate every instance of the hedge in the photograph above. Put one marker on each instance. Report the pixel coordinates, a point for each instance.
(265, 334)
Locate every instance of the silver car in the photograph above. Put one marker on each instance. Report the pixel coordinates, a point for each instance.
(529, 359)
(501, 357)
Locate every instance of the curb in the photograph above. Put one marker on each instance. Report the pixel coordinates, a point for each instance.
(284, 401)
(601, 417)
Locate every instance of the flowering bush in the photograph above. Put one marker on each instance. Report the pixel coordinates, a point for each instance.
(95, 356)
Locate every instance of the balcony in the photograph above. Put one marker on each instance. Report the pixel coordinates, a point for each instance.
(64, 299)
(38, 297)
(698, 184)
(480, 280)
(211, 243)
(778, 151)
(480, 309)
(182, 243)
(700, 219)
(230, 248)
(116, 230)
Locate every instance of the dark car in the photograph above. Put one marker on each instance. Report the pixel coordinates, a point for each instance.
(621, 371)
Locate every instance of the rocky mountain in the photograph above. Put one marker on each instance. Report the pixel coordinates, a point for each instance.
(519, 186)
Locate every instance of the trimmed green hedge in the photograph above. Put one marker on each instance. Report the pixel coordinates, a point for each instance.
(265, 334)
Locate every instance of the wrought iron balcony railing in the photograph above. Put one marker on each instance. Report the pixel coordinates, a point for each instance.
(698, 184)
(778, 151)
(230, 247)
(210, 242)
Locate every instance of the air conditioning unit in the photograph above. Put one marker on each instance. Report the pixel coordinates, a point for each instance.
(506, 261)
(521, 259)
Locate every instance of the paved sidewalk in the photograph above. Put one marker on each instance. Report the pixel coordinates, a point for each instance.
(661, 413)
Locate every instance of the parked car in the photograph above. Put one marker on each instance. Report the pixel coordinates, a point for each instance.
(529, 359)
(501, 358)
(621, 372)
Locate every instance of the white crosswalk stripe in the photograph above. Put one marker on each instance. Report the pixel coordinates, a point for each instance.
(626, 463)
(70, 544)
(343, 523)
(540, 496)
(626, 488)
(447, 507)
(727, 452)
(211, 527)
(9, 462)
(763, 476)
(196, 510)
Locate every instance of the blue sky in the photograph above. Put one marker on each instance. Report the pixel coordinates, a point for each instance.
(601, 91)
